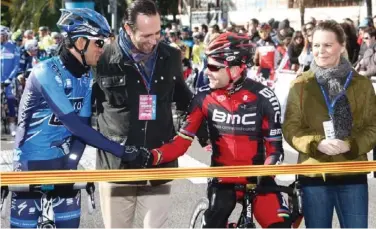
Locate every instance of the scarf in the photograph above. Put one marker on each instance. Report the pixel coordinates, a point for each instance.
(131, 51)
(333, 81)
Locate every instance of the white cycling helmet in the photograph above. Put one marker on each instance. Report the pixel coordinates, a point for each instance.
(31, 45)
(4, 30)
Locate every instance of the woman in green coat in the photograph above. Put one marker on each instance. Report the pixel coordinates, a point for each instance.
(330, 117)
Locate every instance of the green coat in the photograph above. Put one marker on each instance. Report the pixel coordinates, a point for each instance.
(306, 111)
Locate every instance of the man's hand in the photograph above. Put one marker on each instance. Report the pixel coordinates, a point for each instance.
(145, 158)
(329, 147)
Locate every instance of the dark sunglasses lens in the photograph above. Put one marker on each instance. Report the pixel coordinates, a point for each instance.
(99, 43)
(365, 38)
(213, 68)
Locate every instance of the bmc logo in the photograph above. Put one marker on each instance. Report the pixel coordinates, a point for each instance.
(274, 132)
(269, 94)
(219, 116)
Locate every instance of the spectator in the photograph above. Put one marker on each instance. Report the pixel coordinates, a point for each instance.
(322, 132)
(367, 65)
(213, 32)
(282, 59)
(45, 39)
(253, 33)
(352, 46)
(204, 29)
(283, 31)
(28, 35)
(295, 49)
(198, 51)
(364, 24)
(306, 56)
(137, 67)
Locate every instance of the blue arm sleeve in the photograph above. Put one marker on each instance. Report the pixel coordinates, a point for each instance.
(86, 108)
(62, 108)
(76, 149)
(16, 62)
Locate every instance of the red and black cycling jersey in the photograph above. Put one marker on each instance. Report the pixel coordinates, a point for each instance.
(244, 125)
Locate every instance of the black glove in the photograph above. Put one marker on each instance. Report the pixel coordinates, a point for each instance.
(130, 153)
(144, 159)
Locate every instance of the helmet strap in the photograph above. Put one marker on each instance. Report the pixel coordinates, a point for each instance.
(234, 77)
(82, 52)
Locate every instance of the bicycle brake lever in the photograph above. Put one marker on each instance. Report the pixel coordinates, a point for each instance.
(4, 194)
(90, 189)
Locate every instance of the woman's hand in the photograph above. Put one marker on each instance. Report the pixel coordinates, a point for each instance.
(333, 147)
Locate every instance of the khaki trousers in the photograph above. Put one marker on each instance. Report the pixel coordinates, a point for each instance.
(141, 206)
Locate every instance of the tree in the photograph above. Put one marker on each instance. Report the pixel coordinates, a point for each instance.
(302, 11)
(369, 8)
(27, 14)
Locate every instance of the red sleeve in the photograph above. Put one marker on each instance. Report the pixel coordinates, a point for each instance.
(181, 142)
(271, 127)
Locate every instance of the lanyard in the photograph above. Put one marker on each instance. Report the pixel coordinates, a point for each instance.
(327, 101)
(142, 72)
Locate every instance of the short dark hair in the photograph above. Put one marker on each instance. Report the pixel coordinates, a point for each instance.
(255, 21)
(146, 7)
(332, 26)
(371, 31)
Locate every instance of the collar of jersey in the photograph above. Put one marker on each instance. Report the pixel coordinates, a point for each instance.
(72, 64)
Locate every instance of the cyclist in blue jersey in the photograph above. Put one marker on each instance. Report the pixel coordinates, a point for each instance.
(10, 58)
(54, 114)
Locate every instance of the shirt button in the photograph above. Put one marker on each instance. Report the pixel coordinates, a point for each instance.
(156, 81)
(174, 78)
(143, 129)
(162, 78)
(138, 81)
(121, 80)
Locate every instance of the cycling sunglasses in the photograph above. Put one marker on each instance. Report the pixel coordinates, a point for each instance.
(99, 43)
(214, 68)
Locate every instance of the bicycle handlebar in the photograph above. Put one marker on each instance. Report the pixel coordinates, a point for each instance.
(36, 188)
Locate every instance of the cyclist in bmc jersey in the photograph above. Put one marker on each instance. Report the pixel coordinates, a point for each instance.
(243, 118)
(54, 115)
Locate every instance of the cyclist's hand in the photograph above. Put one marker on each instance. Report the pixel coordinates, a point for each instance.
(145, 158)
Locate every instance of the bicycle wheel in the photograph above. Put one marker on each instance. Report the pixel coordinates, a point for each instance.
(198, 213)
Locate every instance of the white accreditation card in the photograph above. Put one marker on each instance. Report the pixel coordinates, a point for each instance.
(329, 129)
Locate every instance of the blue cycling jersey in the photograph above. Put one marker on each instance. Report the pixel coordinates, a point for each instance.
(10, 59)
(50, 87)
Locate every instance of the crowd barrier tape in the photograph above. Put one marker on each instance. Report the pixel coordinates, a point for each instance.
(73, 176)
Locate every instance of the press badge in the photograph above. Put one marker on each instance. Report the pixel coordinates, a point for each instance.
(329, 129)
(147, 108)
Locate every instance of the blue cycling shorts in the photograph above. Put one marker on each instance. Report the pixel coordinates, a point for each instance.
(26, 209)
(12, 103)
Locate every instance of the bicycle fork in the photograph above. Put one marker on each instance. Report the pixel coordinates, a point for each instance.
(247, 220)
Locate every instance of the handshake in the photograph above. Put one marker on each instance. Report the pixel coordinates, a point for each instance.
(140, 157)
(333, 147)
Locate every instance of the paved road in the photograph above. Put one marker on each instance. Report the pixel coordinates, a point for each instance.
(185, 193)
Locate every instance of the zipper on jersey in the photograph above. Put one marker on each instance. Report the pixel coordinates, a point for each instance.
(145, 129)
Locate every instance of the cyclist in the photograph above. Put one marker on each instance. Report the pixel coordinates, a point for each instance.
(55, 110)
(243, 118)
(265, 56)
(9, 58)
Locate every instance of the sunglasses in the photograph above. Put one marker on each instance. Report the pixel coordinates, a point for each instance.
(99, 43)
(365, 38)
(214, 68)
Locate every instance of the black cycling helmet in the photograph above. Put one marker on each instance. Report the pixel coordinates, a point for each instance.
(231, 49)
